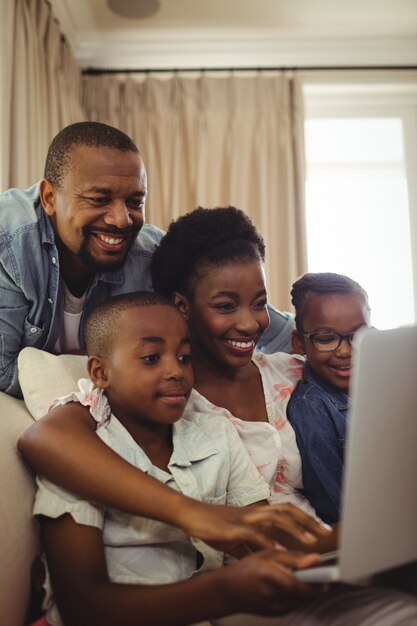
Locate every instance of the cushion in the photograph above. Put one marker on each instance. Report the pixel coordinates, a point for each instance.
(18, 531)
(44, 377)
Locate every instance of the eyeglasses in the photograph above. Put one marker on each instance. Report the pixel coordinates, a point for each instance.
(327, 342)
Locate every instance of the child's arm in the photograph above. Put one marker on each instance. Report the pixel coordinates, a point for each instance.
(64, 448)
(325, 538)
(259, 583)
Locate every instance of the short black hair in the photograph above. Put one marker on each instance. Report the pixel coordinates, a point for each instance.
(321, 283)
(201, 239)
(103, 323)
(94, 134)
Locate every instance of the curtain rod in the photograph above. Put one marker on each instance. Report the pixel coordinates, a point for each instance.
(92, 71)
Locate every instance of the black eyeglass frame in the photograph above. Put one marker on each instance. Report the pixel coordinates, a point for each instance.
(311, 336)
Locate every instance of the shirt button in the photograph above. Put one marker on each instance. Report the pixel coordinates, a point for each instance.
(53, 260)
(184, 482)
(33, 330)
(50, 301)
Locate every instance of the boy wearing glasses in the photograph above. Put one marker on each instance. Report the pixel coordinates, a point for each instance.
(329, 309)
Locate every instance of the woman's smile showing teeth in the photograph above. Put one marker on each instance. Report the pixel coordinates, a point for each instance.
(241, 345)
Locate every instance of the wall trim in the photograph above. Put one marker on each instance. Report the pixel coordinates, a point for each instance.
(226, 49)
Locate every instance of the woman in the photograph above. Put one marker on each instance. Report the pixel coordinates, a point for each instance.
(210, 263)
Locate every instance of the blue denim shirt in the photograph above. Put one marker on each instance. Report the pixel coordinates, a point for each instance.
(31, 296)
(318, 414)
(277, 337)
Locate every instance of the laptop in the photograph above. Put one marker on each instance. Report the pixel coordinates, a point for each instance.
(379, 498)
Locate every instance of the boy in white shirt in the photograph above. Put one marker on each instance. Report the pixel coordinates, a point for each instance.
(107, 566)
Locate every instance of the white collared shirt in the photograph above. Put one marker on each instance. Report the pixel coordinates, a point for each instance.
(208, 462)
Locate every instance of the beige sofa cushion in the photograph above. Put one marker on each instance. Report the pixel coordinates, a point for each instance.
(18, 531)
(44, 377)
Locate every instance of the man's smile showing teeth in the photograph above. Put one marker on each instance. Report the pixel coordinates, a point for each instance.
(110, 240)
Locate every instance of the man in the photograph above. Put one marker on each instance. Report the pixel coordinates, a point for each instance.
(75, 239)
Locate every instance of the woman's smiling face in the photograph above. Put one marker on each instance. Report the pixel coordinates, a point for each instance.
(227, 312)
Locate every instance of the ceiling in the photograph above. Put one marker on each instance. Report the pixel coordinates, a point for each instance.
(240, 33)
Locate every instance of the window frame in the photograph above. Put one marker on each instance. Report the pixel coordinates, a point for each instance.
(338, 94)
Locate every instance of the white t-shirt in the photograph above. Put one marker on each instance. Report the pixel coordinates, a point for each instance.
(68, 338)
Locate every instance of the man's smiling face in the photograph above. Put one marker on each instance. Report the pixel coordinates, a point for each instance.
(99, 210)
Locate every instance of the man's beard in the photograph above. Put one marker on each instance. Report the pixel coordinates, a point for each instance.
(102, 266)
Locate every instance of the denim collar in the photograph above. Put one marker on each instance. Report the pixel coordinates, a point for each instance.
(46, 228)
(340, 399)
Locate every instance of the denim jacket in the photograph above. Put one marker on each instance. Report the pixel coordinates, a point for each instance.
(31, 296)
(318, 414)
(277, 337)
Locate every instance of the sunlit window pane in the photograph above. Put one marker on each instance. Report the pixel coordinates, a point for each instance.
(357, 211)
(354, 140)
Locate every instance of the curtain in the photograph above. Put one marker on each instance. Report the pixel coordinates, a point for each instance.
(41, 89)
(214, 140)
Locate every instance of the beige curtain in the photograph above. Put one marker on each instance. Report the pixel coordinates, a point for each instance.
(40, 90)
(215, 140)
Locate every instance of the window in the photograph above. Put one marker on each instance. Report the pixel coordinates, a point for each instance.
(359, 203)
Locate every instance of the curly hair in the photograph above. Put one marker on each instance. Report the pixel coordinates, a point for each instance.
(93, 134)
(321, 283)
(103, 323)
(201, 239)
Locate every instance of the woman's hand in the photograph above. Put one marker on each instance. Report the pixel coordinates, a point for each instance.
(239, 531)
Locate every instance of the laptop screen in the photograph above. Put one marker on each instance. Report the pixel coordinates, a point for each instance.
(379, 502)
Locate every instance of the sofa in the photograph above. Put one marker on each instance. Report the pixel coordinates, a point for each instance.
(18, 531)
(42, 377)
